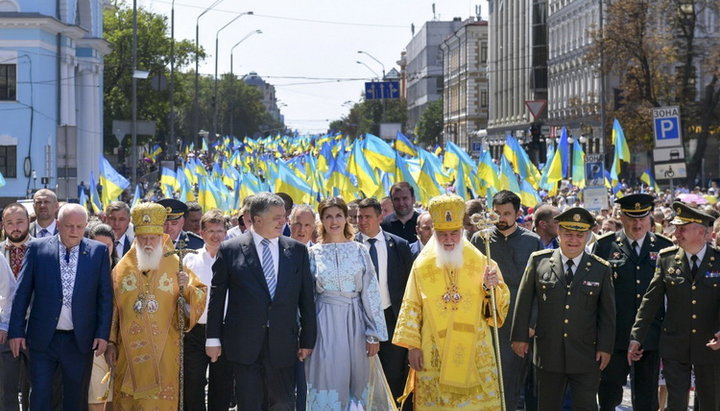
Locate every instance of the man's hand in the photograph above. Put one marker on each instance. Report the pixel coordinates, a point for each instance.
(213, 352)
(372, 348)
(603, 358)
(99, 345)
(634, 352)
(303, 353)
(15, 345)
(111, 355)
(415, 357)
(183, 278)
(520, 348)
(713, 344)
(491, 278)
(3, 336)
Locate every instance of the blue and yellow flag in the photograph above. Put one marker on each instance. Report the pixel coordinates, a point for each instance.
(622, 151)
(154, 152)
(578, 165)
(112, 182)
(648, 177)
(168, 182)
(288, 182)
(95, 203)
(404, 145)
(358, 166)
(379, 154)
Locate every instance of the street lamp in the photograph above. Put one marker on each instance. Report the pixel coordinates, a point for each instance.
(171, 145)
(378, 61)
(368, 67)
(134, 95)
(196, 107)
(215, 86)
(237, 44)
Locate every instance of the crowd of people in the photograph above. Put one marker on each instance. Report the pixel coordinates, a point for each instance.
(371, 304)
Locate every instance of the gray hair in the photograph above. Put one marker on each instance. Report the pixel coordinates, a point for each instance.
(262, 202)
(72, 208)
(299, 209)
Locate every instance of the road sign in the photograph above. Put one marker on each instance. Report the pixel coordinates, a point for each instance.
(670, 170)
(666, 123)
(668, 154)
(382, 89)
(596, 198)
(536, 107)
(124, 128)
(594, 170)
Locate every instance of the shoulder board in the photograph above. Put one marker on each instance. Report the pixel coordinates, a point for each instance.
(600, 260)
(663, 237)
(667, 250)
(542, 252)
(607, 235)
(191, 234)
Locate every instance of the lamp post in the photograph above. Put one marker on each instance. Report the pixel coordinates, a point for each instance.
(378, 61)
(368, 67)
(134, 96)
(232, 76)
(171, 145)
(196, 107)
(213, 130)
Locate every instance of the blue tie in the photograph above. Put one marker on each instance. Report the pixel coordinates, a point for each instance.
(268, 267)
(43, 233)
(374, 255)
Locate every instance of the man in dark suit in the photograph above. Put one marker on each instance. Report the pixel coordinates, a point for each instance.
(117, 216)
(392, 259)
(632, 253)
(176, 210)
(575, 327)
(67, 279)
(687, 280)
(424, 230)
(45, 204)
(403, 221)
(267, 280)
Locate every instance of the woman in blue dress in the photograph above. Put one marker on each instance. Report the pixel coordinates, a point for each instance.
(350, 320)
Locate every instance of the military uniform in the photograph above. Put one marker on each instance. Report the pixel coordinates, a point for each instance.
(692, 318)
(632, 273)
(576, 319)
(176, 209)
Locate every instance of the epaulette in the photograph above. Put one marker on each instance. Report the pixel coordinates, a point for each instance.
(663, 237)
(542, 252)
(600, 260)
(670, 249)
(191, 234)
(605, 236)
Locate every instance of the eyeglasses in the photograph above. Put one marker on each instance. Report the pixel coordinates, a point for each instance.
(213, 232)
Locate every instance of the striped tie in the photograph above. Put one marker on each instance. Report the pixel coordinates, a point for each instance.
(268, 267)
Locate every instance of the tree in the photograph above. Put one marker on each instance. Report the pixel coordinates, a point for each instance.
(430, 126)
(366, 117)
(153, 56)
(652, 47)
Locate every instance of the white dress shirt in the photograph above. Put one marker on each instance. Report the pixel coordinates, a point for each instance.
(50, 230)
(7, 291)
(576, 262)
(201, 264)
(382, 255)
(274, 250)
(639, 243)
(700, 255)
(120, 246)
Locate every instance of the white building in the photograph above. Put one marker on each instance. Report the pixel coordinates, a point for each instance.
(466, 90)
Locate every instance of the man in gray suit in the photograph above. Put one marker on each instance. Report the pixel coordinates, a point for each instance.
(46, 206)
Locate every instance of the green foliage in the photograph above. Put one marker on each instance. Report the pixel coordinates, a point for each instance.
(366, 116)
(430, 125)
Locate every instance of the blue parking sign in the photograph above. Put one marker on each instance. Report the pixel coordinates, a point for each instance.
(666, 124)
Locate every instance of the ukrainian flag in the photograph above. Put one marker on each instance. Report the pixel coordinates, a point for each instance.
(113, 183)
(578, 166)
(154, 152)
(404, 145)
(379, 154)
(622, 151)
(288, 182)
(358, 166)
(168, 182)
(136, 196)
(648, 178)
(206, 195)
(94, 196)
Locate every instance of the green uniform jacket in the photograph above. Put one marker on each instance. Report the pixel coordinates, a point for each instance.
(693, 307)
(572, 324)
(631, 278)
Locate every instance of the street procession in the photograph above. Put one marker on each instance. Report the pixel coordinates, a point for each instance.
(359, 206)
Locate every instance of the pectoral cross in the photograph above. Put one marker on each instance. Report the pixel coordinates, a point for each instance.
(181, 252)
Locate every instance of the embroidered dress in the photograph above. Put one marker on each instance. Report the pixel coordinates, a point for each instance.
(348, 307)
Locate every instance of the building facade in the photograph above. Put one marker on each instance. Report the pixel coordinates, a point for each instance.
(517, 69)
(51, 95)
(423, 67)
(466, 89)
(269, 99)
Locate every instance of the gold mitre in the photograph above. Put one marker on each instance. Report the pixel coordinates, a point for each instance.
(447, 212)
(148, 218)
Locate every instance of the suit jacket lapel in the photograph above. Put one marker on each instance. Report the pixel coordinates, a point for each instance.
(126, 245)
(581, 271)
(81, 263)
(682, 262)
(625, 246)
(252, 256)
(55, 263)
(283, 265)
(557, 266)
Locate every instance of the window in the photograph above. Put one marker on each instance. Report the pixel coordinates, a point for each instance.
(8, 161)
(8, 82)
(483, 98)
(483, 52)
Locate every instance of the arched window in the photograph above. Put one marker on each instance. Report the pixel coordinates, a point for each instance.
(83, 15)
(9, 6)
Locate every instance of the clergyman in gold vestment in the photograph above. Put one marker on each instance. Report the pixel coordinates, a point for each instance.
(446, 317)
(144, 336)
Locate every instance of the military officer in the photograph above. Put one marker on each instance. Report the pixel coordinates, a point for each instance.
(176, 210)
(632, 253)
(575, 327)
(687, 279)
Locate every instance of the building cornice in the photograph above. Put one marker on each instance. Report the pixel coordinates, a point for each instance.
(100, 45)
(41, 22)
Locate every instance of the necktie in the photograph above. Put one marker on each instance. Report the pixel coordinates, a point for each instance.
(694, 266)
(569, 273)
(268, 266)
(374, 255)
(43, 233)
(636, 248)
(115, 249)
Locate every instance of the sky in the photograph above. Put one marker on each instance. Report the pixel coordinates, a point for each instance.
(309, 49)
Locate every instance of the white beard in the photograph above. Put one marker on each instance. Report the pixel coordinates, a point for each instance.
(148, 259)
(449, 259)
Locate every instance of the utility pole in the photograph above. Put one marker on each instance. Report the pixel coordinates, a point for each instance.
(133, 160)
